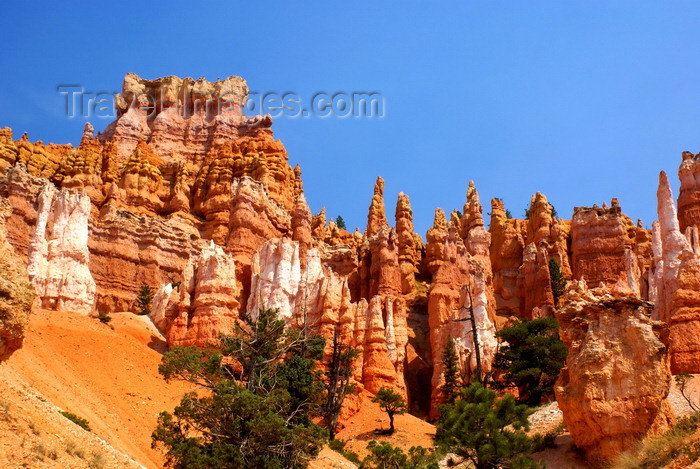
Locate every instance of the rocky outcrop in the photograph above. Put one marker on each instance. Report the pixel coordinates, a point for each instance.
(58, 255)
(22, 192)
(603, 248)
(40, 160)
(164, 110)
(435, 242)
(380, 336)
(384, 272)
(689, 195)
(547, 238)
(82, 167)
(301, 227)
(534, 285)
(506, 254)
(458, 283)
(613, 389)
(8, 149)
(319, 294)
(16, 292)
(676, 283)
(376, 219)
(409, 244)
(278, 281)
(477, 240)
(129, 250)
(254, 219)
(141, 187)
(206, 300)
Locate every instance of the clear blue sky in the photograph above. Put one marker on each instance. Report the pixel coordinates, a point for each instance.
(581, 100)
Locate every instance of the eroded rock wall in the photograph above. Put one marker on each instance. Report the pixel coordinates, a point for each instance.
(58, 255)
(16, 292)
(604, 249)
(676, 282)
(612, 391)
(459, 288)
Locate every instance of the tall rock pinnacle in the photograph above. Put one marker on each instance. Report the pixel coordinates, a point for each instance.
(376, 219)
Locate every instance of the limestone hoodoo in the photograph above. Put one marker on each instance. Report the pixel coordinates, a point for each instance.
(459, 286)
(604, 249)
(675, 283)
(506, 254)
(689, 195)
(612, 391)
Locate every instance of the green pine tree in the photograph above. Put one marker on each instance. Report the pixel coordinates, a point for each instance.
(487, 431)
(384, 455)
(392, 403)
(532, 358)
(340, 223)
(143, 300)
(258, 418)
(557, 280)
(450, 362)
(338, 383)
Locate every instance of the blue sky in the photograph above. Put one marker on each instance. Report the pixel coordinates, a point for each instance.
(581, 100)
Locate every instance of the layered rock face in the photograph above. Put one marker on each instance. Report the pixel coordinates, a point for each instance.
(162, 110)
(613, 389)
(675, 283)
(184, 193)
(506, 253)
(319, 296)
(534, 285)
(689, 196)
(600, 245)
(546, 238)
(409, 244)
(180, 164)
(129, 250)
(604, 249)
(16, 292)
(205, 303)
(58, 254)
(459, 286)
(22, 192)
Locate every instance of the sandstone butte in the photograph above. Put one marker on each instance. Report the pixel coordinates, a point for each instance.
(184, 193)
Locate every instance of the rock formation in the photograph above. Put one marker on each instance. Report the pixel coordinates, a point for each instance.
(129, 250)
(613, 389)
(207, 305)
(408, 243)
(8, 149)
(546, 239)
(22, 192)
(534, 285)
(603, 248)
(506, 254)
(689, 196)
(162, 110)
(458, 283)
(187, 195)
(376, 219)
(278, 281)
(477, 240)
(675, 283)
(58, 254)
(16, 292)
(301, 227)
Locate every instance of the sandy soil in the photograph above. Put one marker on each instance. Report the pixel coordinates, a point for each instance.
(360, 430)
(107, 375)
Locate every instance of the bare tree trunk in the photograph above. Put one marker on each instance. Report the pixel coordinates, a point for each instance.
(475, 335)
